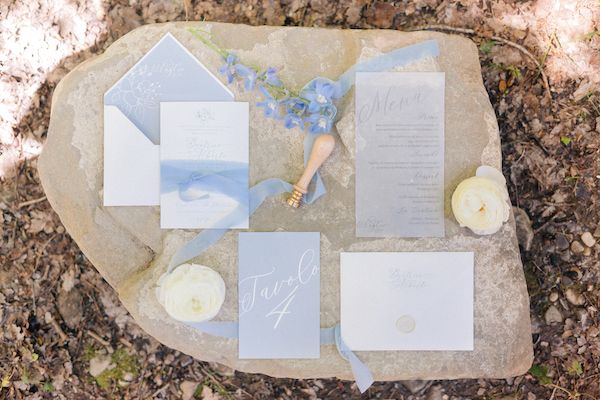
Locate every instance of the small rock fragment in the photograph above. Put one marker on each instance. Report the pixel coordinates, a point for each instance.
(187, 389)
(415, 386)
(574, 297)
(524, 230)
(553, 315)
(99, 364)
(561, 242)
(70, 307)
(435, 393)
(597, 231)
(577, 247)
(588, 239)
(553, 297)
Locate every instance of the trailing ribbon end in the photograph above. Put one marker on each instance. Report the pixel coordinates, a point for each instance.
(362, 373)
(321, 150)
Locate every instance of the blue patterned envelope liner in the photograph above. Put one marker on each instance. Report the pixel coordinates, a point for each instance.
(279, 284)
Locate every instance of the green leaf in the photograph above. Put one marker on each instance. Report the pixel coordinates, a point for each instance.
(514, 71)
(565, 140)
(575, 368)
(540, 372)
(48, 387)
(35, 356)
(5, 381)
(487, 46)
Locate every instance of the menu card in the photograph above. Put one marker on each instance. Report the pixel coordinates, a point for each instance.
(278, 292)
(400, 154)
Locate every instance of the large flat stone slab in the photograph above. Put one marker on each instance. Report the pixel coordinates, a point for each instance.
(126, 245)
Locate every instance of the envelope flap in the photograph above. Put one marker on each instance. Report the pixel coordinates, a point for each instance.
(168, 72)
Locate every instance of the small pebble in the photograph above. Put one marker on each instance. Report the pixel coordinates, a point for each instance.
(435, 393)
(588, 239)
(577, 247)
(169, 359)
(574, 297)
(561, 242)
(597, 231)
(569, 323)
(566, 334)
(553, 315)
(553, 297)
(587, 252)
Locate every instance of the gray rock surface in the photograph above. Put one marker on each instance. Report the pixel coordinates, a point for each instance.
(131, 252)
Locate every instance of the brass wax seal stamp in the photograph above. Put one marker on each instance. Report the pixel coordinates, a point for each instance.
(321, 149)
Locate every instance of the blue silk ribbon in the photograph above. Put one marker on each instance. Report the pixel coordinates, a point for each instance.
(271, 187)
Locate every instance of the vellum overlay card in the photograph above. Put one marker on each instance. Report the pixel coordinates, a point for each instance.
(278, 292)
(204, 165)
(400, 154)
(407, 301)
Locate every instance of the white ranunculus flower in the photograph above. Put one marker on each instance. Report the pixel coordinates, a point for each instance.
(191, 293)
(481, 202)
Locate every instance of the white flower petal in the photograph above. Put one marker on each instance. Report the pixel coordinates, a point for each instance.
(481, 203)
(485, 171)
(191, 292)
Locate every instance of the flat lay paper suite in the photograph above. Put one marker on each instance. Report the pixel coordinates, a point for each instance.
(203, 164)
(279, 280)
(131, 252)
(399, 154)
(407, 301)
(167, 72)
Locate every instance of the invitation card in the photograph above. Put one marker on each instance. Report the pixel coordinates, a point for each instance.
(168, 72)
(278, 291)
(407, 301)
(204, 165)
(400, 154)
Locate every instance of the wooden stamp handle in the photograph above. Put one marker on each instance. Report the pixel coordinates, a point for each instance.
(321, 150)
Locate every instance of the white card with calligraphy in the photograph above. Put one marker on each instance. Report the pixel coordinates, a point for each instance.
(278, 292)
(400, 154)
(407, 301)
(204, 165)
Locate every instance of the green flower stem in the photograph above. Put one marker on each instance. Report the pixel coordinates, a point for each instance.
(207, 41)
(275, 91)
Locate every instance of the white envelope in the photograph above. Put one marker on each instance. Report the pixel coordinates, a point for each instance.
(407, 301)
(168, 72)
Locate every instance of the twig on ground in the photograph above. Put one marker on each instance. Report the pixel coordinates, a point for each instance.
(219, 384)
(30, 202)
(160, 390)
(100, 340)
(125, 342)
(40, 253)
(469, 31)
(58, 329)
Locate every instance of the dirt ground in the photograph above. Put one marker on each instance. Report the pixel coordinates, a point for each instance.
(64, 332)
